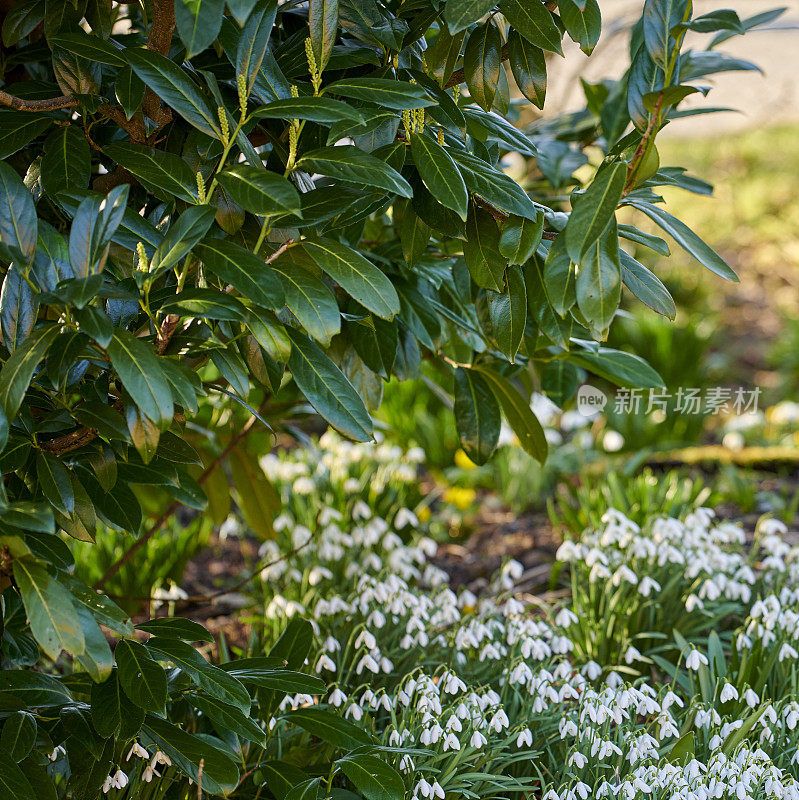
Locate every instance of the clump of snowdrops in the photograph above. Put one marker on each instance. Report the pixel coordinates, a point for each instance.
(670, 671)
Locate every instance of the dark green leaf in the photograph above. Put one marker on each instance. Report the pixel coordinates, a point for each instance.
(482, 61)
(324, 110)
(141, 375)
(18, 223)
(383, 92)
(243, 270)
(198, 23)
(533, 21)
(175, 88)
(529, 67)
(67, 160)
(520, 238)
(260, 191)
(16, 373)
(623, 369)
(459, 14)
(142, 679)
(208, 677)
(164, 173)
(361, 279)
(330, 727)
(373, 777)
(327, 390)
(440, 174)
(583, 22)
(481, 250)
(183, 234)
(518, 414)
(477, 415)
(18, 735)
(348, 163)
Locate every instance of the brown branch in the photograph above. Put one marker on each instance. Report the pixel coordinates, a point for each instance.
(164, 518)
(458, 77)
(50, 104)
(159, 40)
(69, 441)
(640, 152)
(165, 334)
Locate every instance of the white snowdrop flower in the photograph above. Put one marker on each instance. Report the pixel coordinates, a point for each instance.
(138, 751)
(499, 721)
(728, 692)
(120, 779)
(632, 655)
(58, 751)
(565, 617)
(406, 764)
(513, 569)
(786, 651)
(351, 485)
(525, 738)
(478, 740)
(361, 511)
(695, 659)
(324, 662)
(303, 486)
(577, 759)
(592, 670)
(751, 698)
(367, 662)
(551, 795)
(437, 790)
(693, 603)
(423, 789)
(318, 574)
(648, 585)
(715, 742)
(405, 517)
(451, 742)
(108, 784)
(331, 645)
(568, 727)
(149, 773)
(161, 758)
(337, 698)
(366, 639)
(354, 711)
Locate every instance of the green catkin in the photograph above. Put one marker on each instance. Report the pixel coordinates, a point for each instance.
(313, 69)
(241, 84)
(200, 187)
(144, 262)
(223, 124)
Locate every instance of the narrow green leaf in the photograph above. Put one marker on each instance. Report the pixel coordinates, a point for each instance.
(53, 619)
(481, 250)
(243, 270)
(141, 375)
(16, 373)
(164, 173)
(175, 88)
(477, 415)
(688, 240)
(532, 20)
(361, 279)
(327, 390)
(440, 174)
(517, 411)
(529, 67)
(459, 14)
(348, 163)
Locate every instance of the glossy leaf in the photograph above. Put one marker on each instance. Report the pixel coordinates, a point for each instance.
(482, 61)
(260, 191)
(327, 390)
(533, 21)
(477, 415)
(440, 174)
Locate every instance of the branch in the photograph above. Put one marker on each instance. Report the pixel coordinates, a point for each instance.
(159, 40)
(640, 152)
(51, 104)
(164, 518)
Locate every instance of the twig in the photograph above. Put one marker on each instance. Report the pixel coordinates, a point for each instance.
(200, 779)
(50, 104)
(159, 40)
(640, 151)
(164, 518)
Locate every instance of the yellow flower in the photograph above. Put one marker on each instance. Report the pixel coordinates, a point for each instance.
(423, 514)
(463, 461)
(460, 498)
